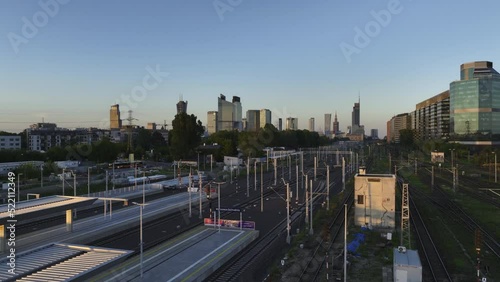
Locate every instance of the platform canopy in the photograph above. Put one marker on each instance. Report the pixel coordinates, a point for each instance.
(60, 262)
(41, 207)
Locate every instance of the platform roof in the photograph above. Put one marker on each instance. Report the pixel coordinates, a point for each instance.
(60, 262)
(43, 206)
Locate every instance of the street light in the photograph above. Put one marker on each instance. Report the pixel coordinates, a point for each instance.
(451, 150)
(88, 181)
(141, 206)
(495, 166)
(218, 198)
(41, 176)
(327, 187)
(287, 211)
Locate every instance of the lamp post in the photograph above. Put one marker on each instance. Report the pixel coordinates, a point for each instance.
(327, 187)
(141, 206)
(41, 176)
(261, 187)
(218, 199)
(495, 166)
(451, 150)
(88, 181)
(113, 175)
(63, 180)
(255, 176)
(287, 211)
(74, 182)
(19, 187)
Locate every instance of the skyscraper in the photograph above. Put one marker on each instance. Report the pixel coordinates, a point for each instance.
(311, 124)
(253, 120)
(475, 101)
(280, 124)
(225, 115)
(292, 123)
(211, 122)
(114, 117)
(237, 113)
(265, 117)
(355, 115)
(336, 126)
(328, 122)
(182, 107)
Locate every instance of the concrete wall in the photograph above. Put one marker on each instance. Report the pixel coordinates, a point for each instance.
(374, 200)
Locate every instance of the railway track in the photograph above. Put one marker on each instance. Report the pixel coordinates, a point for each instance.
(427, 246)
(336, 223)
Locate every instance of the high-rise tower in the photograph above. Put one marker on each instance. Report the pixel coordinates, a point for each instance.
(114, 117)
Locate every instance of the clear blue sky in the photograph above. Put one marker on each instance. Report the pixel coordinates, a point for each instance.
(283, 55)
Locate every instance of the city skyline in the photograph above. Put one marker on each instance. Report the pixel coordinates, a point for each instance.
(70, 70)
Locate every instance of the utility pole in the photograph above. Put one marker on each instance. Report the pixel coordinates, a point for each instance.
(189, 191)
(255, 176)
(248, 177)
(327, 187)
(275, 171)
(345, 242)
(311, 232)
(405, 218)
(199, 182)
(261, 187)
(307, 202)
(343, 174)
(288, 239)
(315, 164)
(297, 184)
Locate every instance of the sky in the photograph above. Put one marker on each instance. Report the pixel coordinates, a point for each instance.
(68, 61)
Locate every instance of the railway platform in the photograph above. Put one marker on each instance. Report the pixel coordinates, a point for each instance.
(191, 256)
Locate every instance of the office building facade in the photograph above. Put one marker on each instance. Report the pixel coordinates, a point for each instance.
(10, 142)
(280, 124)
(431, 118)
(311, 124)
(328, 124)
(182, 107)
(225, 116)
(212, 122)
(292, 123)
(374, 133)
(397, 123)
(265, 117)
(253, 120)
(238, 114)
(356, 115)
(114, 117)
(475, 103)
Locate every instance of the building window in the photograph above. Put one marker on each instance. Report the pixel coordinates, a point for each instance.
(361, 199)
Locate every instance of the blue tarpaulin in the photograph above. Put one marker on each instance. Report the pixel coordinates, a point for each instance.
(353, 246)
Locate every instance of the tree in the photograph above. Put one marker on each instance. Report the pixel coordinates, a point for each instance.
(185, 135)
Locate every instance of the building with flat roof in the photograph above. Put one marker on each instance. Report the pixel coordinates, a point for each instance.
(212, 122)
(253, 120)
(328, 124)
(431, 118)
(10, 142)
(292, 123)
(114, 117)
(182, 107)
(475, 103)
(265, 117)
(375, 200)
(311, 124)
(395, 125)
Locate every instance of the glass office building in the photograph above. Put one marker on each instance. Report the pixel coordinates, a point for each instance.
(475, 102)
